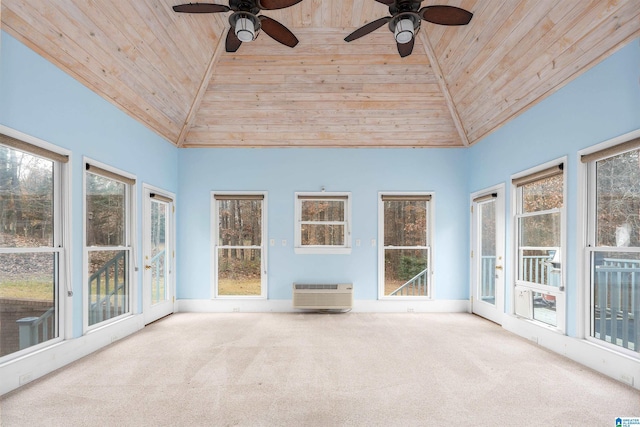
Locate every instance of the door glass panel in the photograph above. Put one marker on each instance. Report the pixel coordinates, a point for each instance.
(239, 271)
(158, 261)
(406, 272)
(487, 280)
(28, 300)
(108, 285)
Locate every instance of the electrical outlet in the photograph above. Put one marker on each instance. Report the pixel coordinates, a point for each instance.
(409, 309)
(236, 309)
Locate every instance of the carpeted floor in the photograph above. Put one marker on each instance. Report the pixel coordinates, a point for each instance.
(302, 369)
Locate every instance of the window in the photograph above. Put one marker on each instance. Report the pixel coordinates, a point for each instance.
(32, 244)
(405, 252)
(323, 223)
(108, 204)
(539, 247)
(613, 245)
(239, 262)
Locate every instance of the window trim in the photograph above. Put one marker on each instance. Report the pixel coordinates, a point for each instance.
(542, 171)
(242, 195)
(62, 166)
(586, 226)
(428, 196)
(131, 190)
(344, 249)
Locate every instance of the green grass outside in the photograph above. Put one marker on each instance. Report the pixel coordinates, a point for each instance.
(27, 289)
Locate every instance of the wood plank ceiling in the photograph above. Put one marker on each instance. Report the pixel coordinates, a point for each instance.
(171, 72)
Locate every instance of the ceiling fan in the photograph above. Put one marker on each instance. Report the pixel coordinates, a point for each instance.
(405, 19)
(245, 21)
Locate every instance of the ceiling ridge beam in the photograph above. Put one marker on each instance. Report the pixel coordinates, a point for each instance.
(435, 65)
(204, 84)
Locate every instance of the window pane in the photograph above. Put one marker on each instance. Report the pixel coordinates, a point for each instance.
(405, 272)
(543, 194)
(240, 222)
(323, 210)
(618, 200)
(26, 200)
(405, 223)
(105, 211)
(544, 308)
(239, 272)
(108, 285)
(541, 266)
(615, 309)
(322, 235)
(28, 300)
(540, 230)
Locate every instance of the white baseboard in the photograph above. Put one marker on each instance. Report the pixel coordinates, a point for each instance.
(612, 364)
(286, 306)
(19, 371)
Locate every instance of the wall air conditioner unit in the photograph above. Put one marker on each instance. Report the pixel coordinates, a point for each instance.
(323, 297)
(524, 303)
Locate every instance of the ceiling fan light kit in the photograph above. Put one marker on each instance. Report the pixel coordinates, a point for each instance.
(405, 29)
(245, 27)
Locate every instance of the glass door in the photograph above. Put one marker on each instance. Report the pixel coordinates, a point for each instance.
(488, 254)
(158, 256)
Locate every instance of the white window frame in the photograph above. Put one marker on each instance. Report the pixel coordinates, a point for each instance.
(343, 249)
(429, 246)
(129, 247)
(587, 241)
(518, 285)
(215, 235)
(61, 243)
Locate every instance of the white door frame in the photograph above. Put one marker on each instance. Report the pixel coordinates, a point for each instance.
(493, 312)
(154, 312)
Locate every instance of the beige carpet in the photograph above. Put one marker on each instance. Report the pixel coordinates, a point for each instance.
(321, 370)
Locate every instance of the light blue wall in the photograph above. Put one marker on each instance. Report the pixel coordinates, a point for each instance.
(363, 172)
(599, 105)
(40, 100)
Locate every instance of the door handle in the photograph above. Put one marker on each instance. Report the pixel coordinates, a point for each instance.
(147, 267)
(498, 267)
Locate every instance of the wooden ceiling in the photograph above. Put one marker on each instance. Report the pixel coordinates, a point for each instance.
(171, 72)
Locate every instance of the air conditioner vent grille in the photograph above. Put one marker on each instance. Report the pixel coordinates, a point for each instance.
(311, 286)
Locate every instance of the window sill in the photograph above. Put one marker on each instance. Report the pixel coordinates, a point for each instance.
(322, 251)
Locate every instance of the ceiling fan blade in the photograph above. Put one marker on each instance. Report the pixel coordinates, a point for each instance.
(387, 2)
(201, 8)
(367, 28)
(276, 4)
(405, 49)
(277, 31)
(445, 15)
(232, 43)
